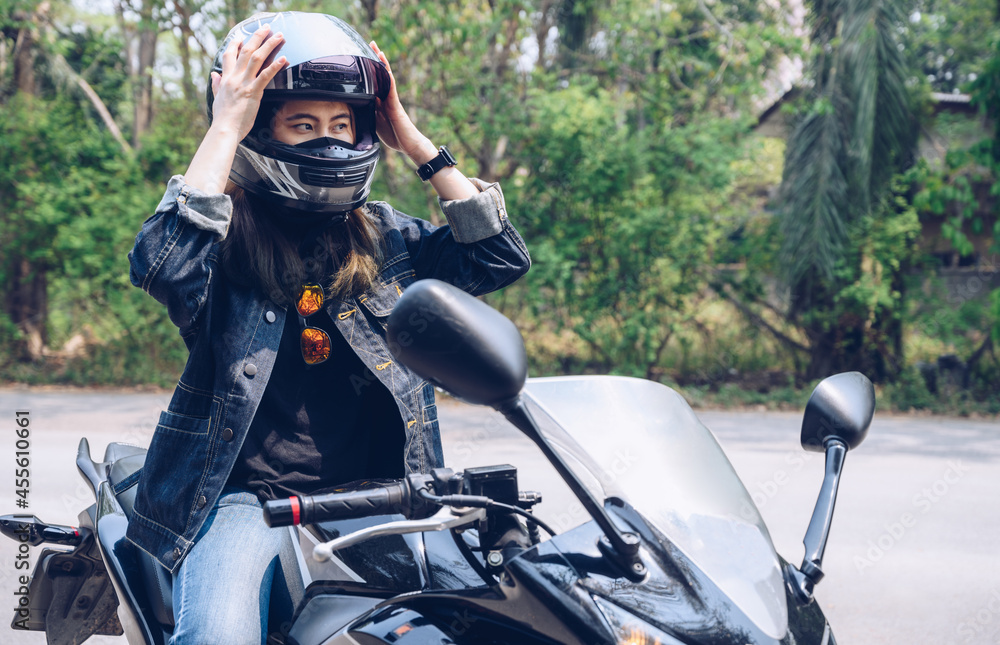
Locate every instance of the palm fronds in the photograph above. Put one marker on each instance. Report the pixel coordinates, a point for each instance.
(859, 129)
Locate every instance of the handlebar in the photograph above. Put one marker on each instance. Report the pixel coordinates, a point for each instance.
(307, 509)
(486, 497)
(417, 496)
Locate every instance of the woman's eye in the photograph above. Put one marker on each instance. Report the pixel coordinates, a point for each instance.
(303, 127)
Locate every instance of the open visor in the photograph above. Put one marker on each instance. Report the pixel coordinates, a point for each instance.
(348, 77)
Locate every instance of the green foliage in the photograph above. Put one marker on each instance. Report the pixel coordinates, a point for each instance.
(995, 314)
(857, 132)
(686, 57)
(864, 307)
(73, 203)
(845, 225)
(621, 220)
(619, 131)
(946, 42)
(963, 191)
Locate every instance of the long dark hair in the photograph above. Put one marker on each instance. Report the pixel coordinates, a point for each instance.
(280, 257)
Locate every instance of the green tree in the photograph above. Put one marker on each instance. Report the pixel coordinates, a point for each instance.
(73, 194)
(963, 192)
(947, 44)
(626, 171)
(856, 132)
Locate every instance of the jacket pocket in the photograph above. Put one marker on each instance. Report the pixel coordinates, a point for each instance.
(182, 423)
(175, 464)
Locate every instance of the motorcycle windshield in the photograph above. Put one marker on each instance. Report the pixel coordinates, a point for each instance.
(640, 441)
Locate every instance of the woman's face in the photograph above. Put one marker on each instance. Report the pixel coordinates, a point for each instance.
(299, 121)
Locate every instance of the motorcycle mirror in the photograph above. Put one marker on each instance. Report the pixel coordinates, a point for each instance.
(475, 353)
(836, 419)
(840, 408)
(458, 343)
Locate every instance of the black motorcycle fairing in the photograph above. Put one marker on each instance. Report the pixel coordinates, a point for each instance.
(678, 597)
(322, 614)
(447, 565)
(122, 558)
(123, 464)
(529, 605)
(441, 624)
(806, 621)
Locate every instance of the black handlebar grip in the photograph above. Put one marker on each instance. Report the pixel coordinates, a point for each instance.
(307, 509)
(359, 503)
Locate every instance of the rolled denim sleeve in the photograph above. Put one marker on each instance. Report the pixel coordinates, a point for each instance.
(476, 218)
(174, 251)
(479, 251)
(210, 213)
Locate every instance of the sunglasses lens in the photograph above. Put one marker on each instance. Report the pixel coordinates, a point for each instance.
(315, 345)
(310, 299)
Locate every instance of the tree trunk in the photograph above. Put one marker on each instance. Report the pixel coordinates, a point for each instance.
(371, 11)
(24, 58)
(545, 23)
(576, 25)
(187, 82)
(26, 288)
(27, 304)
(143, 88)
(822, 355)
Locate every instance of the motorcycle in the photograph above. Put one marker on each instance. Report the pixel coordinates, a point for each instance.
(671, 551)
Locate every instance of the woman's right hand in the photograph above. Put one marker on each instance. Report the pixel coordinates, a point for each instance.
(238, 92)
(240, 87)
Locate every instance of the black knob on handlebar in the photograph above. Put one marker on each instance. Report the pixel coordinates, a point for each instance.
(282, 512)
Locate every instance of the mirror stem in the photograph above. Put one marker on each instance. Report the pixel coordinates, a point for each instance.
(811, 572)
(624, 547)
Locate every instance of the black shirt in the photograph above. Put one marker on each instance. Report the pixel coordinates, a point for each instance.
(319, 426)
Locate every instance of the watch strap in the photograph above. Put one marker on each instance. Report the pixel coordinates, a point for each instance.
(442, 160)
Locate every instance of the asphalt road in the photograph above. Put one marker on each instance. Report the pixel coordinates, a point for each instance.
(912, 557)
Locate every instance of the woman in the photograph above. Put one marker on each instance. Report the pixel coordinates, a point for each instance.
(280, 278)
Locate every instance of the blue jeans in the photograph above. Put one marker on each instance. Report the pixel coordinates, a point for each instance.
(240, 576)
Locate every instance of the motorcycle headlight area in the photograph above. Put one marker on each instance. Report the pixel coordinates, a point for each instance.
(629, 629)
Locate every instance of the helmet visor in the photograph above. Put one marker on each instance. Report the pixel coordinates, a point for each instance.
(347, 77)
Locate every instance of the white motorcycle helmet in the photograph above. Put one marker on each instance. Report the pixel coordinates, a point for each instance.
(328, 61)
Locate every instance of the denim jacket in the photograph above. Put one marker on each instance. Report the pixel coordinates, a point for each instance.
(233, 332)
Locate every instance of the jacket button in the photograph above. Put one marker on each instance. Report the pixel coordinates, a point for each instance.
(202, 502)
(177, 554)
(270, 317)
(250, 369)
(227, 434)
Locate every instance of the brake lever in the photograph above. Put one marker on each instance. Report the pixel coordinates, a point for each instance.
(446, 518)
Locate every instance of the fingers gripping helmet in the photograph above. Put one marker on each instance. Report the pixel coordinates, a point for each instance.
(327, 61)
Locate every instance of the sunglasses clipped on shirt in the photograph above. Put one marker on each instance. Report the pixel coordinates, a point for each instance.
(314, 342)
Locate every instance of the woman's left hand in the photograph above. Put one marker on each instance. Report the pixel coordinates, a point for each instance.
(393, 124)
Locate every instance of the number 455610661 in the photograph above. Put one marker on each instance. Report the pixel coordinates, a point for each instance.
(22, 458)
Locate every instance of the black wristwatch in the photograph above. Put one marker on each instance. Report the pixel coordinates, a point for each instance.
(443, 160)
